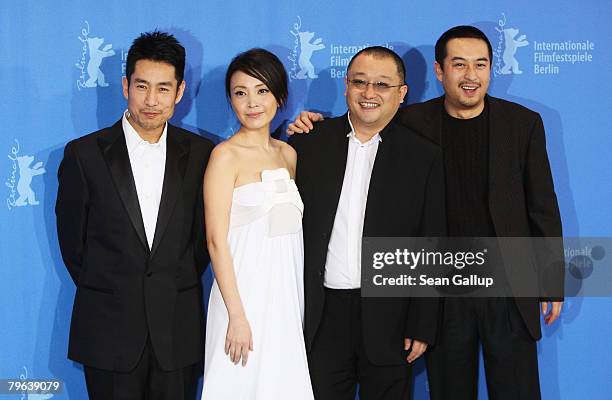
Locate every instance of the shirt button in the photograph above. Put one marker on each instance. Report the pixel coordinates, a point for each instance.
(149, 274)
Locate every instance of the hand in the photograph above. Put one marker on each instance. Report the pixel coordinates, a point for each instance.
(555, 311)
(238, 341)
(418, 348)
(303, 123)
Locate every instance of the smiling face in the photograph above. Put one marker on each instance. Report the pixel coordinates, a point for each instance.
(252, 101)
(372, 109)
(152, 93)
(465, 76)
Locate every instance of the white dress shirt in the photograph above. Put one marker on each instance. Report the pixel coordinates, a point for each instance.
(343, 265)
(148, 161)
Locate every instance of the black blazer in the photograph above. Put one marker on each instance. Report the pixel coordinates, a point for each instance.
(405, 198)
(126, 291)
(522, 200)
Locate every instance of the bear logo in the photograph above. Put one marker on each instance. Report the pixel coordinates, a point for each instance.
(26, 194)
(96, 76)
(306, 49)
(511, 65)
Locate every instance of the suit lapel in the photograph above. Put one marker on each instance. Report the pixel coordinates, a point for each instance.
(114, 150)
(433, 121)
(377, 178)
(176, 162)
(336, 165)
(498, 142)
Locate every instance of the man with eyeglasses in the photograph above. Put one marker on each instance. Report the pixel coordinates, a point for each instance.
(352, 175)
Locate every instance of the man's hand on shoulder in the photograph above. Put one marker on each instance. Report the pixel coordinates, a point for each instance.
(304, 122)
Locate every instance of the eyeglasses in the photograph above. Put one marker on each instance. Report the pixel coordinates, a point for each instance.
(379, 87)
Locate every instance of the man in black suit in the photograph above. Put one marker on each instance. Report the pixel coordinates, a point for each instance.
(359, 175)
(498, 183)
(131, 232)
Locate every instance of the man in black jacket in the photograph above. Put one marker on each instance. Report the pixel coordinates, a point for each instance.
(498, 183)
(131, 231)
(364, 174)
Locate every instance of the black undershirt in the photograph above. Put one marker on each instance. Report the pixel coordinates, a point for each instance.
(466, 164)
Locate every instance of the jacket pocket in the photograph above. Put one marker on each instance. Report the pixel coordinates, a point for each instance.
(186, 288)
(96, 289)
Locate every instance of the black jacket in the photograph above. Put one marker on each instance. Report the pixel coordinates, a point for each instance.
(405, 198)
(124, 290)
(522, 200)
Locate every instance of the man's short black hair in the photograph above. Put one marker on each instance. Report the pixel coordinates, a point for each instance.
(263, 65)
(382, 52)
(157, 46)
(460, 32)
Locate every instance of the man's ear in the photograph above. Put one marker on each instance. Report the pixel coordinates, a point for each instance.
(180, 91)
(403, 92)
(125, 85)
(439, 71)
(346, 85)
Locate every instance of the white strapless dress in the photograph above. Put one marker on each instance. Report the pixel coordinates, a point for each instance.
(265, 240)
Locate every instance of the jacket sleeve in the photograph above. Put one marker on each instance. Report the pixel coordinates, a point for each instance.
(434, 211)
(543, 214)
(295, 142)
(71, 209)
(424, 312)
(199, 224)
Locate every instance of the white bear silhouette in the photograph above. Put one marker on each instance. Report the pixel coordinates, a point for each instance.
(511, 65)
(26, 194)
(306, 50)
(96, 77)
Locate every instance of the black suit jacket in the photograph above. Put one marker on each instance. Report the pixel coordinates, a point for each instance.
(522, 200)
(126, 291)
(405, 198)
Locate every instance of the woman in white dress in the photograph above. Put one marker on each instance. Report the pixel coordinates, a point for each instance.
(254, 338)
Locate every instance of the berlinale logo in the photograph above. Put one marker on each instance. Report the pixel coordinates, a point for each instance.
(507, 45)
(92, 54)
(20, 190)
(304, 46)
(32, 394)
